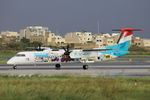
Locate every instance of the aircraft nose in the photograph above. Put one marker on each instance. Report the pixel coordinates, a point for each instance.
(10, 61)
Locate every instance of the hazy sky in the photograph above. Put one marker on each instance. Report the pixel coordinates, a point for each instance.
(62, 16)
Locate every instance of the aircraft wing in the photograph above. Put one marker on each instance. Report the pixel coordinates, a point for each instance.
(86, 50)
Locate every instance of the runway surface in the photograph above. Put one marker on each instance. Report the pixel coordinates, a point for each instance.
(119, 67)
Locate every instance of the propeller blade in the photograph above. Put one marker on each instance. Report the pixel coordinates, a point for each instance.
(67, 48)
(64, 49)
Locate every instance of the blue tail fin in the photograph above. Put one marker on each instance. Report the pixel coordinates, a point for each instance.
(124, 39)
(123, 44)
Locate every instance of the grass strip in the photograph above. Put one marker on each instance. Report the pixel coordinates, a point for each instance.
(3, 61)
(7, 54)
(137, 55)
(39, 87)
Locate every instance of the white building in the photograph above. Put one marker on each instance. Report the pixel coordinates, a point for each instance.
(50, 37)
(106, 35)
(9, 34)
(59, 39)
(33, 31)
(78, 37)
(99, 40)
(146, 42)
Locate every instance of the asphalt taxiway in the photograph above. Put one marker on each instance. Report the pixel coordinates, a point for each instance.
(119, 67)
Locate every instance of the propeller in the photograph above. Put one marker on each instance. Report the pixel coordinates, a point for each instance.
(66, 56)
(67, 50)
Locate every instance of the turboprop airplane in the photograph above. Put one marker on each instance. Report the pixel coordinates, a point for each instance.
(85, 56)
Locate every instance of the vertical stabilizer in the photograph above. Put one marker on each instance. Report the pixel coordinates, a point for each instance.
(125, 37)
(123, 44)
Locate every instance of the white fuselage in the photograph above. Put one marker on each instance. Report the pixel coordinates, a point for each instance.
(54, 56)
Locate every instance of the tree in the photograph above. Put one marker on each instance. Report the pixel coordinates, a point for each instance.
(15, 46)
(1, 43)
(25, 40)
(37, 45)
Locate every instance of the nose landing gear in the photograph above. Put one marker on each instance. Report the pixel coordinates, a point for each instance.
(14, 66)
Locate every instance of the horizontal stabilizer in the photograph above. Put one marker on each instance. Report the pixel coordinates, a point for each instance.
(128, 29)
(126, 34)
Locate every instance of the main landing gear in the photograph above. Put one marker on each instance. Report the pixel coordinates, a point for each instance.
(85, 67)
(58, 66)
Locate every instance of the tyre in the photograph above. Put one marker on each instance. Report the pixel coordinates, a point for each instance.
(14, 67)
(85, 67)
(57, 66)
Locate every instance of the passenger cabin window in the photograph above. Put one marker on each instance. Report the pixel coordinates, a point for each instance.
(20, 55)
(55, 50)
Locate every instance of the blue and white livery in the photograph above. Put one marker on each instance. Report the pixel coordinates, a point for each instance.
(60, 56)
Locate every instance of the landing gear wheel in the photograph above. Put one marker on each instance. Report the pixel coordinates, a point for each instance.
(85, 67)
(14, 67)
(57, 66)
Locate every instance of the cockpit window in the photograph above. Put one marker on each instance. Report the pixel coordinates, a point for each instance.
(20, 55)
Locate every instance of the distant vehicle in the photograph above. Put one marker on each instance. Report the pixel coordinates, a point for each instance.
(85, 56)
